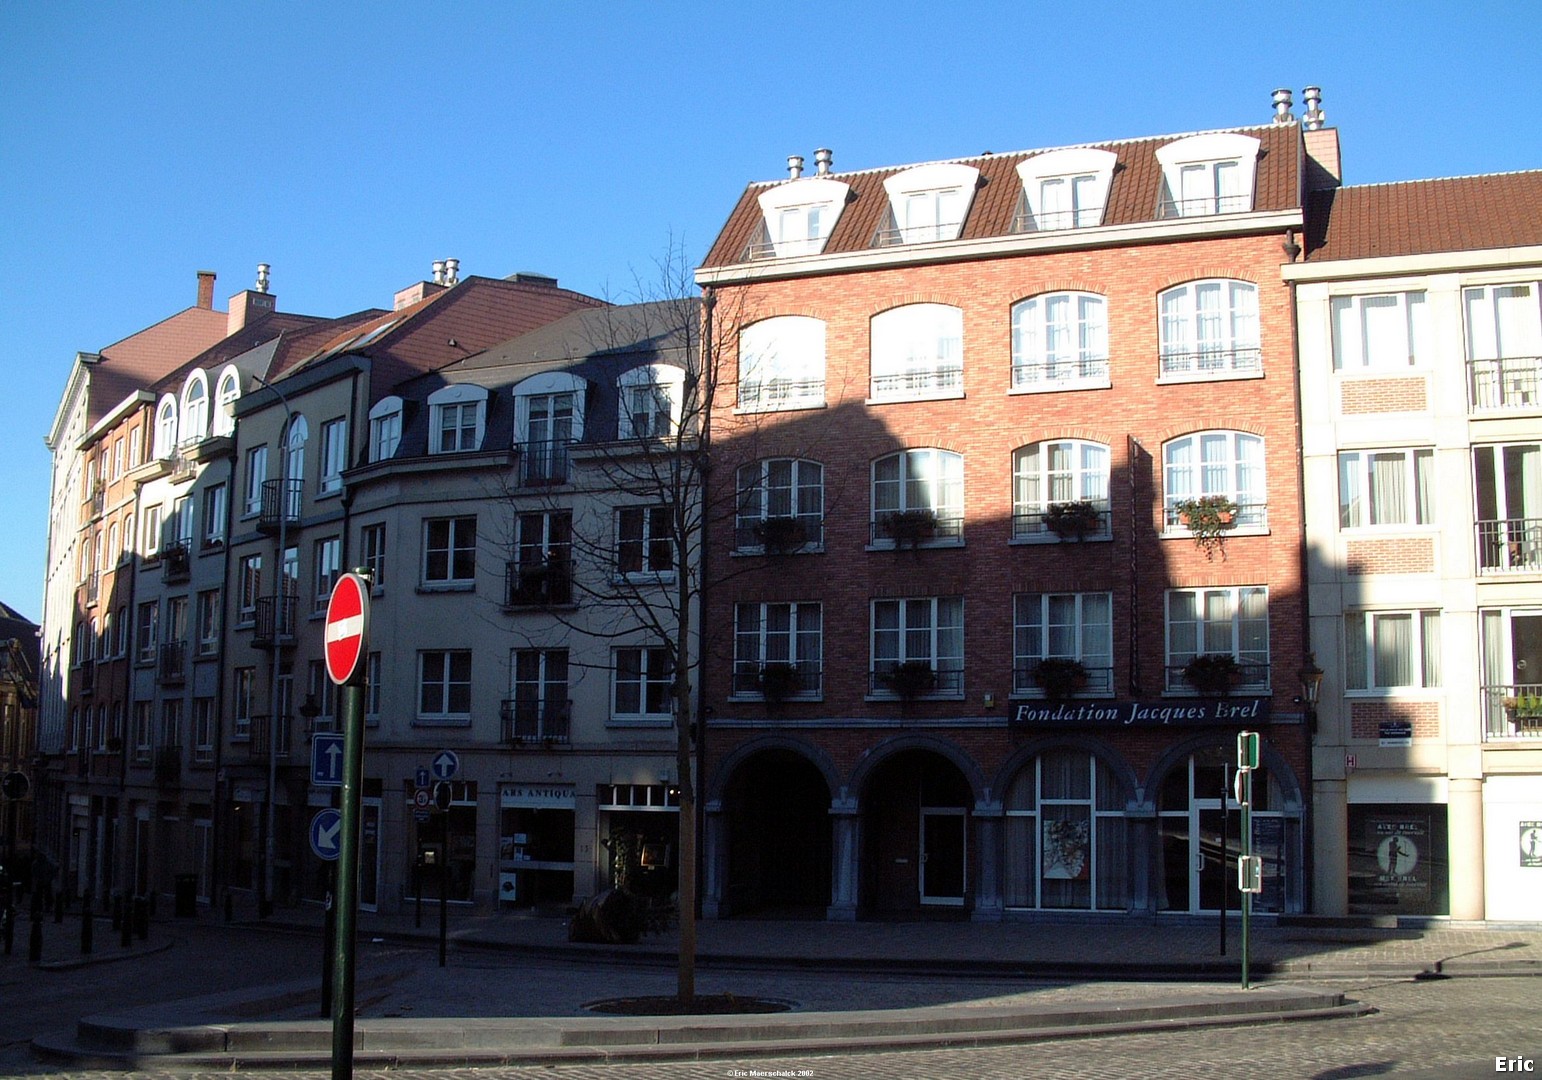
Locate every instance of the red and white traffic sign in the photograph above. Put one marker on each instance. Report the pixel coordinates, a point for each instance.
(347, 628)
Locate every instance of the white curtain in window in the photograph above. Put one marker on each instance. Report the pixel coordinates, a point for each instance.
(1207, 317)
(1389, 488)
(1518, 326)
(1392, 645)
(1429, 637)
(1229, 187)
(1382, 328)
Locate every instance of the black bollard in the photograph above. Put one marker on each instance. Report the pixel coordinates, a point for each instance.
(117, 911)
(85, 925)
(35, 938)
(142, 917)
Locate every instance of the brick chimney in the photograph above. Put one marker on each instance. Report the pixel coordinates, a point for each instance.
(248, 304)
(206, 289)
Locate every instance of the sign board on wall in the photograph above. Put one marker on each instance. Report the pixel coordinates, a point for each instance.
(1531, 844)
(539, 796)
(1163, 712)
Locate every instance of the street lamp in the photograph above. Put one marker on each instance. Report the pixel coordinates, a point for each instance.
(1310, 677)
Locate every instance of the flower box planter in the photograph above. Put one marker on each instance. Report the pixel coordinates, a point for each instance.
(1209, 519)
(779, 535)
(1060, 677)
(1073, 520)
(910, 679)
(777, 682)
(1213, 673)
(907, 528)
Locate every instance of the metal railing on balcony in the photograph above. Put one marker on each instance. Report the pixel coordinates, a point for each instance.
(1512, 382)
(261, 729)
(545, 462)
(763, 247)
(1250, 515)
(281, 500)
(91, 588)
(319, 724)
(771, 394)
(1081, 217)
(548, 583)
(1513, 545)
(1052, 374)
(907, 528)
(274, 623)
(776, 680)
(911, 679)
(1512, 711)
(183, 468)
(168, 765)
(1040, 523)
(780, 535)
(1249, 678)
(892, 235)
(172, 665)
(1099, 682)
(176, 562)
(96, 502)
(531, 720)
(1219, 362)
(1205, 206)
(83, 677)
(940, 377)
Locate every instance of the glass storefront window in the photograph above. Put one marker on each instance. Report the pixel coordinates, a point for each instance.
(1066, 836)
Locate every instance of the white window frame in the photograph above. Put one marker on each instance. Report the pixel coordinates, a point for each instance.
(1060, 342)
(1203, 339)
(248, 587)
(1223, 629)
(372, 554)
(1490, 335)
(1040, 480)
(166, 427)
(209, 611)
(1381, 344)
(661, 387)
(929, 203)
(780, 488)
(204, 726)
(242, 690)
(779, 633)
(334, 455)
(466, 405)
(385, 428)
(922, 628)
(1365, 643)
(256, 476)
(147, 631)
(928, 478)
(1240, 474)
(214, 515)
(1359, 491)
(651, 520)
(799, 216)
(151, 546)
(227, 393)
(194, 425)
(1208, 175)
(437, 678)
(1065, 626)
(916, 353)
(455, 545)
(782, 364)
(655, 676)
(1085, 174)
(329, 567)
(548, 690)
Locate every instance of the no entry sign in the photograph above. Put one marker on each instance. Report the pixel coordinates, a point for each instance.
(347, 628)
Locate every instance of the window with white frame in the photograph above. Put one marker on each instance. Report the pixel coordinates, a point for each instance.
(1230, 621)
(644, 540)
(195, 408)
(1504, 346)
(444, 685)
(651, 399)
(242, 688)
(329, 565)
(541, 574)
(778, 650)
(1383, 332)
(1209, 330)
(927, 203)
(457, 417)
(917, 352)
(1060, 490)
(226, 394)
(449, 551)
(372, 553)
(912, 636)
(166, 427)
(539, 695)
(1223, 464)
(385, 428)
(256, 474)
(1391, 650)
(321, 695)
(147, 635)
(334, 454)
(142, 732)
(1385, 487)
(249, 585)
(782, 363)
(203, 729)
(117, 459)
(181, 525)
(1066, 835)
(1210, 174)
(372, 689)
(171, 724)
(781, 505)
(1063, 626)
(152, 526)
(136, 447)
(208, 622)
(214, 516)
(1060, 340)
(642, 684)
(547, 424)
(922, 488)
(798, 216)
(1064, 189)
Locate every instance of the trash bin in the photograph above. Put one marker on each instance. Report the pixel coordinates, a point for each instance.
(187, 895)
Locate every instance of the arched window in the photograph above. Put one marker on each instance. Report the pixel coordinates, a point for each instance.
(1051, 482)
(917, 352)
(782, 363)
(457, 418)
(225, 397)
(294, 464)
(781, 505)
(166, 427)
(918, 497)
(195, 408)
(1060, 341)
(927, 203)
(1209, 330)
(1067, 842)
(1223, 464)
(548, 419)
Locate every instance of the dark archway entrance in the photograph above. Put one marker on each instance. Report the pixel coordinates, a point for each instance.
(778, 809)
(915, 827)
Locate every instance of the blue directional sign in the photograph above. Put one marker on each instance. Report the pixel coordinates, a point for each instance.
(445, 765)
(327, 834)
(421, 778)
(327, 759)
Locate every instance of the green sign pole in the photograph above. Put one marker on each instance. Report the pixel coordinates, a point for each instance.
(347, 884)
(1247, 858)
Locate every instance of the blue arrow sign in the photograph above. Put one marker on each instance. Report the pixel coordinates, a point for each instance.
(327, 834)
(327, 759)
(421, 777)
(445, 765)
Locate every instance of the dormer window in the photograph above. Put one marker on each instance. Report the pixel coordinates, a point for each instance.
(225, 396)
(166, 427)
(457, 419)
(927, 203)
(548, 418)
(385, 428)
(782, 364)
(1064, 189)
(798, 217)
(1205, 175)
(195, 407)
(650, 400)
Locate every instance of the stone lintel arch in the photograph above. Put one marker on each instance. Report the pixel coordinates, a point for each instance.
(1284, 775)
(882, 751)
(723, 775)
(1088, 744)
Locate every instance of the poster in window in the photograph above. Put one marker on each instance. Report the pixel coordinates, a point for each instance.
(1400, 845)
(1531, 844)
(1066, 850)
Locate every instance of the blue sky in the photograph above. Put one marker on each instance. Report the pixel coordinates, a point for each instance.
(351, 145)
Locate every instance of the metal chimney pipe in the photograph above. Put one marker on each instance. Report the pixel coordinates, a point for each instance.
(1315, 118)
(438, 271)
(452, 271)
(824, 159)
(262, 277)
(794, 166)
(1282, 105)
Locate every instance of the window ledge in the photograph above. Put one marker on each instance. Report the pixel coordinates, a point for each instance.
(441, 721)
(1224, 376)
(1177, 532)
(648, 722)
(931, 395)
(1068, 385)
(662, 577)
(758, 552)
(1396, 693)
(790, 406)
(882, 698)
(519, 609)
(330, 493)
(889, 545)
(446, 587)
(790, 699)
(1371, 532)
(1052, 540)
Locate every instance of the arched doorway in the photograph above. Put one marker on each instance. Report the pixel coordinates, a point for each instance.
(915, 826)
(778, 814)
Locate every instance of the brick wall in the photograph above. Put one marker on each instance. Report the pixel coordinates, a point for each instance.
(1401, 555)
(1365, 717)
(1360, 396)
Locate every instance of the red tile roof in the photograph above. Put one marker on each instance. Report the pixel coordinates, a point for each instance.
(142, 359)
(1422, 217)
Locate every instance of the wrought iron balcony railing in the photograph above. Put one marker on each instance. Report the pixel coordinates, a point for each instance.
(1100, 682)
(775, 680)
(1219, 362)
(261, 729)
(1052, 374)
(904, 528)
(274, 624)
(545, 462)
(281, 501)
(1512, 382)
(532, 720)
(1512, 711)
(1249, 678)
(176, 562)
(911, 680)
(777, 393)
(172, 666)
(1511, 545)
(548, 583)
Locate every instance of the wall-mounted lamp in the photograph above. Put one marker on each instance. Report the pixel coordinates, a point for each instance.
(1310, 676)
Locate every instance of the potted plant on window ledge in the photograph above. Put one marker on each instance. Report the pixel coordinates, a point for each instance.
(1073, 520)
(1524, 708)
(1208, 518)
(778, 682)
(1060, 677)
(908, 528)
(1213, 673)
(779, 535)
(910, 679)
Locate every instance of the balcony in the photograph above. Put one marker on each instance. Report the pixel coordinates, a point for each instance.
(1081, 217)
(914, 679)
(274, 623)
(548, 583)
(176, 562)
(183, 468)
(1512, 711)
(168, 765)
(1248, 678)
(1082, 519)
(1063, 374)
(780, 535)
(530, 720)
(1205, 206)
(940, 377)
(771, 394)
(96, 502)
(257, 745)
(90, 589)
(1511, 546)
(1211, 363)
(1511, 383)
(777, 680)
(1099, 682)
(914, 528)
(171, 670)
(281, 501)
(545, 462)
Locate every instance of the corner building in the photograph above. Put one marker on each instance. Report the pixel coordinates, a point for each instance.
(1010, 547)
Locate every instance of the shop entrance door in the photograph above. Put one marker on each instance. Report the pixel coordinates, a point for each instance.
(942, 855)
(1214, 850)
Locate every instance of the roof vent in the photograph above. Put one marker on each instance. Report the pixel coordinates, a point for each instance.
(438, 271)
(262, 277)
(452, 271)
(824, 158)
(794, 166)
(1282, 105)
(1315, 118)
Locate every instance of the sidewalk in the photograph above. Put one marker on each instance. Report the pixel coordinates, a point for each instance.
(64, 943)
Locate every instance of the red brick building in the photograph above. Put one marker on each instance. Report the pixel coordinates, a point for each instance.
(1008, 543)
